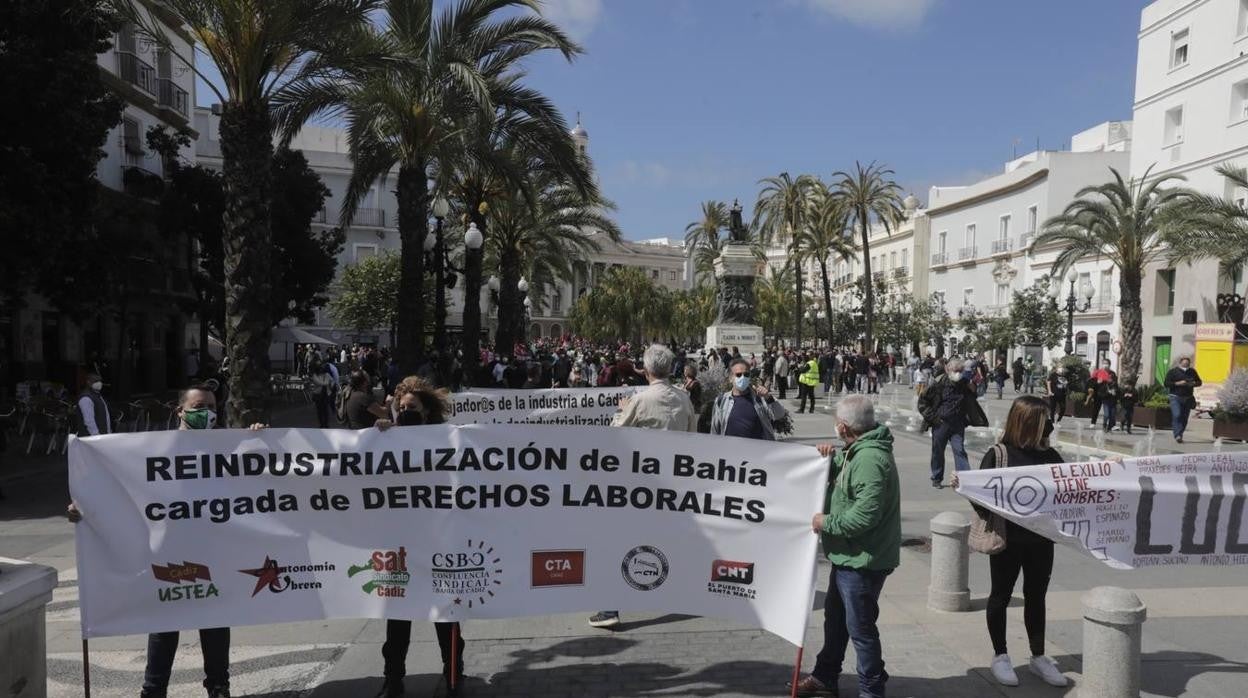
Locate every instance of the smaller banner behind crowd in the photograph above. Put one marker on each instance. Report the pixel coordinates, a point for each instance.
(194, 529)
(1185, 509)
(563, 406)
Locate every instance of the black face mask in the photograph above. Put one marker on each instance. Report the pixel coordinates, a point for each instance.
(410, 418)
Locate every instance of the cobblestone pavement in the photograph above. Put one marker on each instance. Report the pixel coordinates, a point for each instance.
(1193, 640)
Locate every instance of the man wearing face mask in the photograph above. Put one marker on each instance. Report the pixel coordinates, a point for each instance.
(196, 410)
(745, 411)
(949, 406)
(92, 410)
(1181, 382)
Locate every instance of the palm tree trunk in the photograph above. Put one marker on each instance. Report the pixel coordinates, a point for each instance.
(797, 309)
(868, 304)
(827, 298)
(510, 304)
(1129, 282)
(473, 260)
(247, 239)
(413, 197)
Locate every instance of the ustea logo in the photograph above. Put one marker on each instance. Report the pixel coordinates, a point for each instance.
(732, 578)
(558, 568)
(277, 578)
(468, 574)
(388, 572)
(644, 568)
(185, 579)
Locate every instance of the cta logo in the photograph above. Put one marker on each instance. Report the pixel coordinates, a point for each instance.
(732, 578)
(386, 573)
(277, 578)
(644, 568)
(467, 575)
(186, 579)
(558, 568)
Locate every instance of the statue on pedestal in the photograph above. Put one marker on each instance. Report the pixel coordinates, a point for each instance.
(735, 273)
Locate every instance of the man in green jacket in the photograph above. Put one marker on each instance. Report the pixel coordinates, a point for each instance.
(860, 529)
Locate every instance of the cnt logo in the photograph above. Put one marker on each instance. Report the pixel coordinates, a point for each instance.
(645, 568)
(186, 579)
(468, 575)
(387, 573)
(732, 578)
(558, 568)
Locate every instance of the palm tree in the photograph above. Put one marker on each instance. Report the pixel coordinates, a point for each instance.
(265, 53)
(869, 194)
(410, 111)
(702, 241)
(1222, 232)
(1127, 222)
(827, 235)
(780, 213)
(775, 300)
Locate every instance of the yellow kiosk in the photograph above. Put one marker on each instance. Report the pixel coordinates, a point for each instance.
(1218, 351)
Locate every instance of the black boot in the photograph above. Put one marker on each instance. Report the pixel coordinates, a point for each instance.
(391, 688)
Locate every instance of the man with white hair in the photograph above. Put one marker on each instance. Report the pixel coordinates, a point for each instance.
(860, 531)
(949, 406)
(661, 405)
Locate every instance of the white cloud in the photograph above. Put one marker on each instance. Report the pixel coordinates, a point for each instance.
(576, 17)
(880, 14)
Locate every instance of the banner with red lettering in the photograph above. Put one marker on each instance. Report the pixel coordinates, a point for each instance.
(1185, 509)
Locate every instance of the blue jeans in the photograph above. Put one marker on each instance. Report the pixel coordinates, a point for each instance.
(1107, 412)
(161, 647)
(850, 611)
(1179, 412)
(943, 435)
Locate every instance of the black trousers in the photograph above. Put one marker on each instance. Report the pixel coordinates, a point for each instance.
(805, 391)
(782, 382)
(399, 636)
(1057, 407)
(1035, 561)
(161, 648)
(1096, 408)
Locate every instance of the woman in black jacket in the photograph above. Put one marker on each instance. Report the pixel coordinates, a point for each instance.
(1025, 441)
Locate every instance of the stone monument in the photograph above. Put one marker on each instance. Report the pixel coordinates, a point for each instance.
(735, 269)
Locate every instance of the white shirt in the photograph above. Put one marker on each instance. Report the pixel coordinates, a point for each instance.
(87, 407)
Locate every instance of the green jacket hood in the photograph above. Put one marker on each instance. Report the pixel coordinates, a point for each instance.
(878, 438)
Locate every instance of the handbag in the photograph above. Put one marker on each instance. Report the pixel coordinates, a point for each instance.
(987, 533)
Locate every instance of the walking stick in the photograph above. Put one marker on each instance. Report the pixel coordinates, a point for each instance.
(454, 654)
(797, 672)
(86, 670)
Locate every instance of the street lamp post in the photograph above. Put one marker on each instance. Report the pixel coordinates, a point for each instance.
(474, 243)
(1071, 305)
(440, 208)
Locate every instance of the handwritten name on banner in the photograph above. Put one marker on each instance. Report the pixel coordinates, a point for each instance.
(1185, 509)
(202, 529)
(562, 406)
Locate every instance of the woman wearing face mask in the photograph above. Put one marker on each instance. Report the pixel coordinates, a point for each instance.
(746, 411)
(1025, 441)
(416, 402)
(197, 409)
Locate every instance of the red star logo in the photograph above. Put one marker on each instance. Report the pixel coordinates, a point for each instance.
(267, 575)
(457, 601)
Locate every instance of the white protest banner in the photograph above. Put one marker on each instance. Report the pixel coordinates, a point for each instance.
(563, 406)
(1185, 509)
(193, 529)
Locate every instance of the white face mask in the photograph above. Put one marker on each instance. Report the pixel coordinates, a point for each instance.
(955, 376)
(97, 386)
(741, 383)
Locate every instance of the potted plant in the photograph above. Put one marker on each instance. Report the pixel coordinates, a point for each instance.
(1230, 417)
(1153, 408)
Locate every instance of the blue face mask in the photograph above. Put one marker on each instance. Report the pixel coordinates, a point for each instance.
(741, 383)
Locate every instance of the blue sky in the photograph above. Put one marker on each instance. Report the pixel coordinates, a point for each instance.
(689, 100)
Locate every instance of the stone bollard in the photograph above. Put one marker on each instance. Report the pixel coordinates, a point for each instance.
(25, 589)
(1112, 619)
(950, 559)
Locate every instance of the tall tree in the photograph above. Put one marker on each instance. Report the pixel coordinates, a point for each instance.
(265, 54)
(1212, 227)
(1128, 223)
(825, 236)
(626, 305)
(1035, 316)
(781, 211)
(702, 241)
(58, 118)
(409, 112)
(869, 195)
(775, 299)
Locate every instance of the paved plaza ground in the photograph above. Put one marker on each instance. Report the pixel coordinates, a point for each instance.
(1194, 639)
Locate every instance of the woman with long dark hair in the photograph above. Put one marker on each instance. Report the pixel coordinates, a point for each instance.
(1025, 441)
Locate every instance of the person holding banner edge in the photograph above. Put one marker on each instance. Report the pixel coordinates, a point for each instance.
(417, 402)
(1025, 441)
(660, 406)
(197, 409)
(860, 531)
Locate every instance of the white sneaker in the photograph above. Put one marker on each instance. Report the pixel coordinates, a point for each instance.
(1044, 667)
(1003, 670)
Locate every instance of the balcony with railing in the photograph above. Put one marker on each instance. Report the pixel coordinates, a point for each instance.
(136, 71)
(967, 253)
(370, 217)
(878, 275)
(901, 272)
(172, 96)
(939, 259)
(322, 216)
(1002, 246)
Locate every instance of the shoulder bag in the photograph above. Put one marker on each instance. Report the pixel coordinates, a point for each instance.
(987, 533)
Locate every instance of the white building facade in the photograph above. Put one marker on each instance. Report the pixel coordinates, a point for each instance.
(1191, 115)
